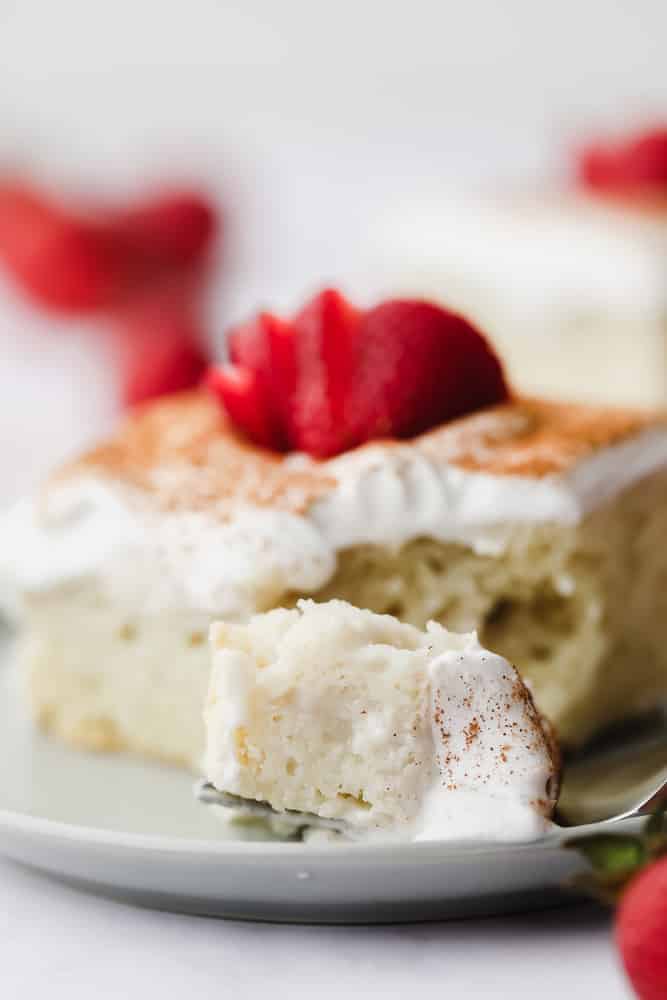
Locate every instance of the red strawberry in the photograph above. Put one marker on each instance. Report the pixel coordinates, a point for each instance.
(335, 377)
(282, 353)
(302, 370)
(645, 160)
(631, 869)
(240, 390)
(60, 261)
(597, 168)
(634, 165)
(641, 931)
(265, 346)
(421, 365)
(325, 339)
(162, 351)
(172, 230)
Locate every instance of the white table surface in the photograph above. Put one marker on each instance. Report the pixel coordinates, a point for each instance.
(62, 943)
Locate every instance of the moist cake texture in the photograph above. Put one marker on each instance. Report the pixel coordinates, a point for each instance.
(333, 710)
(538, 524)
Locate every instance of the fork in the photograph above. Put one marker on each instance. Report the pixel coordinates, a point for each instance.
(629, 780)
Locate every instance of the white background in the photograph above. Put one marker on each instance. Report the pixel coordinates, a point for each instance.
(309, 120)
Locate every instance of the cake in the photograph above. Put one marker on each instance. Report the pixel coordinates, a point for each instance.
(540, 525)
(335, 711)
(570, 280)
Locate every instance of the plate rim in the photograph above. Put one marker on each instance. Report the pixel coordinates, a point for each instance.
(14, 821)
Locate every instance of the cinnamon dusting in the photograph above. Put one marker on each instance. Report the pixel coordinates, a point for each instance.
(182, 452)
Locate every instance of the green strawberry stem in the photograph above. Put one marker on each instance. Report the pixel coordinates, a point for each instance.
(615, 859)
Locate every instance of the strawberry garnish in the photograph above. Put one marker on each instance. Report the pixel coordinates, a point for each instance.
(264, 346)
(633, 166)
(245, 402)
(335, 376)
(422, 365)
(326, 342)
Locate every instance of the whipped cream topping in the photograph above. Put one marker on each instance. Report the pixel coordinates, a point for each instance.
(392, 497)
(493, 774)
(95, 529)
(91, 530)
(571, 251)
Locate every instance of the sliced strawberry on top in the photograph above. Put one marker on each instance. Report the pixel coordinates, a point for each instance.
(485, 379)
(325, 333)
(265, 346)
(283, 367)
(240, 390)
(335, 377)
(421, 365)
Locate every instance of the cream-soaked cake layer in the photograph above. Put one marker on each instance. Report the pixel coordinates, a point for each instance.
(232, 562)
(420, 735)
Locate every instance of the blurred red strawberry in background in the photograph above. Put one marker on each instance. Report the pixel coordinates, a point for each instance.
(161, 345)
(144, 267)
(172, 230)
(60, 261)
(634, 165)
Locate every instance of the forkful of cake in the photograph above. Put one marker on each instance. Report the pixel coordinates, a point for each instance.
(328, 717)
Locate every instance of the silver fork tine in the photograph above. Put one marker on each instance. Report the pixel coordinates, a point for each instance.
(212, 796)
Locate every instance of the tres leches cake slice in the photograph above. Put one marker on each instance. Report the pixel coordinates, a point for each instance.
(373, 456)
(336, 711)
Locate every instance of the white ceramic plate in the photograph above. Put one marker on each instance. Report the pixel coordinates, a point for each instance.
(133, 830)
